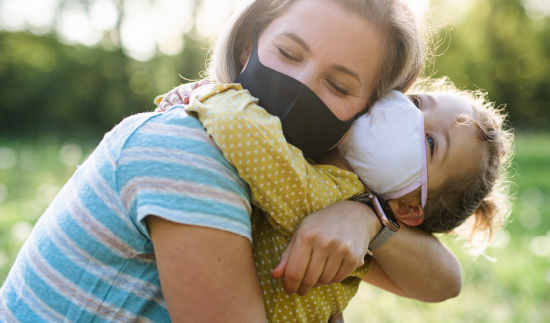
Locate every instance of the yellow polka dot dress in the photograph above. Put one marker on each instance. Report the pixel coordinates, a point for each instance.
(285, 188)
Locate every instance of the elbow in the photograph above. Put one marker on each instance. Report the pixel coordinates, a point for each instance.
(454, 283)
(450, 289)
(451, 285)
(455, 288)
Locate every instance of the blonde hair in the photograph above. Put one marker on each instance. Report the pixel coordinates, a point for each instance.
(475, 205)
(404, 44)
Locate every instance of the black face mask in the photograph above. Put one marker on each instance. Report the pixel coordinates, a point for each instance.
(307, 122)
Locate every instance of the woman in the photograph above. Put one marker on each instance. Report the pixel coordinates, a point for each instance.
(156, 199)
(405, 70)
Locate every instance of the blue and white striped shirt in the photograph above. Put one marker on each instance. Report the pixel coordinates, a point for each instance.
(90, 256)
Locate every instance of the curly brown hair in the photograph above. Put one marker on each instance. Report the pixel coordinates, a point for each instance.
(483, 192)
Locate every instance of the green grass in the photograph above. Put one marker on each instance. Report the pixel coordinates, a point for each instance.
(516, 288)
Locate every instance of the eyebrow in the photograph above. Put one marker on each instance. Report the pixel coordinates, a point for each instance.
(345, 70)
(298, 40)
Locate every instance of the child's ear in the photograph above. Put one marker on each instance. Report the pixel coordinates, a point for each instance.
(411, 215)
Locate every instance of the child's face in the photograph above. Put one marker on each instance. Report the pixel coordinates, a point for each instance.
(451, 148)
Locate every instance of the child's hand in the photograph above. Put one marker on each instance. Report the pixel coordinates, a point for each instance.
(327, 247)
(178, 96)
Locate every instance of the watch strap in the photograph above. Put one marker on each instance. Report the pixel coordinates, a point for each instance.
(381, 238)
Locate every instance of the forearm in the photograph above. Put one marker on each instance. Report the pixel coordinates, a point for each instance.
(420, 266)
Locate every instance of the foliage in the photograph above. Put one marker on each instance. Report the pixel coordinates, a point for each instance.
(50, 91)
(514, 289)
(499, 48)
(49, 87)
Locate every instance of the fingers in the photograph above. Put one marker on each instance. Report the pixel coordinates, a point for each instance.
(279, 271)
(348, 266)
(331, 269)
(296, 267)
(313, 272)
(163, 106)
(184, 91)
(203, 82)
(171, 99)
(179, 95)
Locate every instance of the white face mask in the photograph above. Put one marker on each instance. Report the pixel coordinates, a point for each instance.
(386, 148)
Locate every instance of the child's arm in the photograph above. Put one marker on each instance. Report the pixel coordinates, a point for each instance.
(282, 182)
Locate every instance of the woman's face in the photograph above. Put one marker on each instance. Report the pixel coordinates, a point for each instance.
(335, 53)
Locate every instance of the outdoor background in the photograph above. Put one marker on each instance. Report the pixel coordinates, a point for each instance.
(72, 69)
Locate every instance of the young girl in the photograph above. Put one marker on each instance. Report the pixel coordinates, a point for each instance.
(437, 182)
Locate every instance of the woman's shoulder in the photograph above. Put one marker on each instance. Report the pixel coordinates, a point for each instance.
(173, 129)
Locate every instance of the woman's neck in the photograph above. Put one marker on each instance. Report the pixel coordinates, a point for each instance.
(331, 158)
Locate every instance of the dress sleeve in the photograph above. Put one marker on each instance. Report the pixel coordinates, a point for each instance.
(281, 180)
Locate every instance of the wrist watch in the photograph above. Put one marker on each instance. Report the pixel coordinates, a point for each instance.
(389, 226)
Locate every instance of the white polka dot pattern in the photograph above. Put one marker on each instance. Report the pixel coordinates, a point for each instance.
(285, 186)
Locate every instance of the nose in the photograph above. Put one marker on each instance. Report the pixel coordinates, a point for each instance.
(309, 76)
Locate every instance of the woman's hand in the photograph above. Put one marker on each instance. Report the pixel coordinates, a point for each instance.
(178, 96)
(327, 247)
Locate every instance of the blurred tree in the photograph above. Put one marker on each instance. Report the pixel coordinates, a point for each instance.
(499, 48)
(49, 87)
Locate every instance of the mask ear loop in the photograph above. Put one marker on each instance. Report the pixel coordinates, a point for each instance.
(424, 171)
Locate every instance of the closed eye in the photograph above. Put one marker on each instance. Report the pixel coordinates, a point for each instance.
(286, 55)
(341, 91)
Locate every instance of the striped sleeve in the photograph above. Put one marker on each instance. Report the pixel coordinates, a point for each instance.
(170, 168)
(282, 182)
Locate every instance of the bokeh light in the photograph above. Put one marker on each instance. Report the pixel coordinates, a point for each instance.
(530, 218)
(104, 14)
(8, 158)
(146, 27)
(537, 9)
(70, 154)
(21, 230)
(540, 246)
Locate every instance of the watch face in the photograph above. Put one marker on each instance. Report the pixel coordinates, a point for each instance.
(392, 225)
(388, 211)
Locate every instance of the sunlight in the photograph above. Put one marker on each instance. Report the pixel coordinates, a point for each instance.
(76, 27)
(537, 9)
(148, 27)
(419, 7)
(104, 14)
